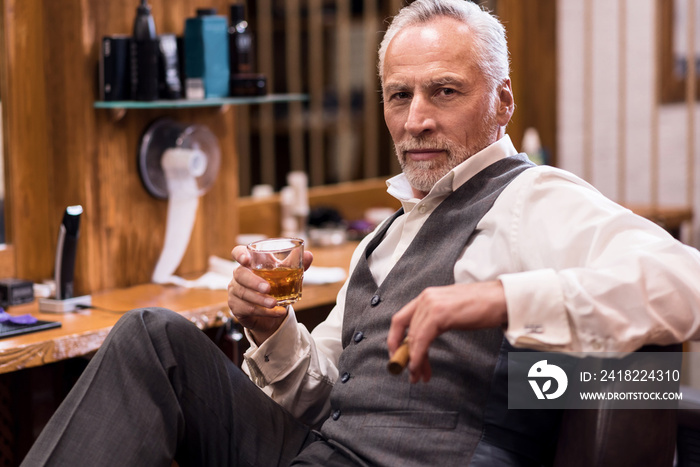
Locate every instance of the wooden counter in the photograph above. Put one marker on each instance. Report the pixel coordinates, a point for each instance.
(83, 332)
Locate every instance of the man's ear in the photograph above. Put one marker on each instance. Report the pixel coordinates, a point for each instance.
(506, 103)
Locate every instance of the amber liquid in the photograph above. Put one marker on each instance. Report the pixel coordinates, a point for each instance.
(285, 283)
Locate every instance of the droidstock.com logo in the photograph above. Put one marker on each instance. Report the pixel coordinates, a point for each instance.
(543, 375)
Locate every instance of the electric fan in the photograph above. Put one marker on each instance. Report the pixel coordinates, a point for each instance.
(178, 163)
(165, 134)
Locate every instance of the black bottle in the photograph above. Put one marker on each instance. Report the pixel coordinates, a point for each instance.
(243, 81)
(240, 42)
(144, 55)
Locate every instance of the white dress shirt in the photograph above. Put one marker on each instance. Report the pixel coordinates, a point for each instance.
(580, 274)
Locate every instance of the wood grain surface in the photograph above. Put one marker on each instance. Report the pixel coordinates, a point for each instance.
(62, 151)
(83, 332)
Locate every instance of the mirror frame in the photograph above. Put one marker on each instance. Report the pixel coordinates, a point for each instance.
(672, 88)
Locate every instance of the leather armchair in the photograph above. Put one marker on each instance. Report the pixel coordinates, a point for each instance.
(619, 437)
(689, 428)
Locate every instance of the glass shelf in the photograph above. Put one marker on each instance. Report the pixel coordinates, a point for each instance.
(189, 103)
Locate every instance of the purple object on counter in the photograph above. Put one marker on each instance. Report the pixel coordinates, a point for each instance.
(21, 319)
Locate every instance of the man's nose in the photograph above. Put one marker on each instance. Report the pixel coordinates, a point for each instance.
(420, 116)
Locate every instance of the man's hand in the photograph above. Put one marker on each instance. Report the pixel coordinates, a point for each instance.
(439, 309)
(249, 299)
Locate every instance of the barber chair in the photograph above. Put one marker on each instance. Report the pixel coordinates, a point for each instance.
(689, 428)
(619, 437)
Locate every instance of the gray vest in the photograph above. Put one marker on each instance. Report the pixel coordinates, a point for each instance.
(383, 419)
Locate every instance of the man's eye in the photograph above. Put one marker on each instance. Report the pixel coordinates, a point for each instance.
(400, 95)
(447, 91)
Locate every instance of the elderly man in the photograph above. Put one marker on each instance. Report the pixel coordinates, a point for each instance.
(487, 251)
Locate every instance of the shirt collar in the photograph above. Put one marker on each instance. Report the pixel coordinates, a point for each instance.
(399, 188)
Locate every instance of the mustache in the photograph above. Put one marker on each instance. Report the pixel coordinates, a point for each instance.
(424, 143)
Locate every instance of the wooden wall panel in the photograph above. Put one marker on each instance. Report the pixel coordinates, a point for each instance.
(7, 252)
(63, 151)
(70, 84)
(27, 142)
(531, 29)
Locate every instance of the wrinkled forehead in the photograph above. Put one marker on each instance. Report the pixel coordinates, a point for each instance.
(441, 40)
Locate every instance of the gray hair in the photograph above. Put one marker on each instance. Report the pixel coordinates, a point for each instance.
(490, 36)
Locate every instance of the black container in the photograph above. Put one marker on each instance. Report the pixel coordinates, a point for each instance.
(144, 56)
(115, 80)
(240, 47)
(243, 80)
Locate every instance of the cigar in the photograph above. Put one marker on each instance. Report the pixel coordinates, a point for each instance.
(399, 360)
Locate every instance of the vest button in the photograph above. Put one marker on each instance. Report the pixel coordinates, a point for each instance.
(375, 300)
(336, 415)
(345, 377)
(358, 336)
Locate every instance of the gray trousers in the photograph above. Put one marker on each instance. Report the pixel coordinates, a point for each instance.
(157, 390)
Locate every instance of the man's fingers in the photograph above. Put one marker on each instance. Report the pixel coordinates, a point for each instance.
(249, 307)
(418, 351)
(253, 297)
(308, 259)
(240, 255)
(247, 279)
(399, 323)
(422, 331)
(418, 363)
